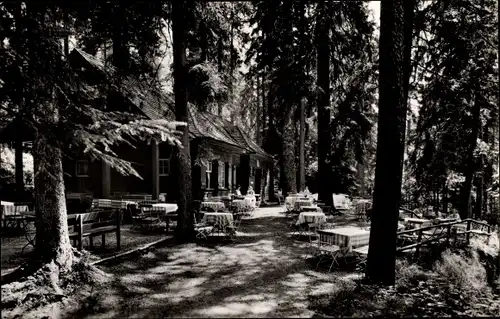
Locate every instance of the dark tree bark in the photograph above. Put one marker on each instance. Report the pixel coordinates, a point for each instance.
(52, 238)
(258, 115)
(287, 169)
(324, 136)
(121, 54)
(390, 145)
(465, 192)
(302, 129)
(302, 138)
(181, 157)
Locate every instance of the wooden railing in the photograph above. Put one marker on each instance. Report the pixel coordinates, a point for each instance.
(440, 235)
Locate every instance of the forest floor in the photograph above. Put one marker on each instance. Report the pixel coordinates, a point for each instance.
(263, 273)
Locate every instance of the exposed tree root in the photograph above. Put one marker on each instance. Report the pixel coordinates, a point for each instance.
(44, 291)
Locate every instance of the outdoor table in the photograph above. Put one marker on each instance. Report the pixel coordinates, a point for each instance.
(13, 213)
(239, 204)
(216, 206)
(418, 222)
(311, 209)
(7, 203)
(221, 220)
(111, 203)
(345, 237)
(168, 207)
(302, 202)
(311, 217)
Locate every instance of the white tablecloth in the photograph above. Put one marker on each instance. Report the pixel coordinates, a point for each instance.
(9, 210)
(345, 237)
(111, 203)
(311, 217)
(7, 203)
(216, 206)
(221, 219)
(168, 207)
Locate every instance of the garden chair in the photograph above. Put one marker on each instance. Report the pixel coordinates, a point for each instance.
(233, 229)
(328, 250)
(202, 230)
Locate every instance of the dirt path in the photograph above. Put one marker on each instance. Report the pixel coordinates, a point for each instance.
(262, 274)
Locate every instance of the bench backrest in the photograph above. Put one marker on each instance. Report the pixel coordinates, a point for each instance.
(93, 219)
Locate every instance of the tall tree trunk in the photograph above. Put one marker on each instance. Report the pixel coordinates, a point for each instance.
(263, 108)
(302, 168)
(258, 113)
(288, 169)
(121, 54)
(465, 192)
(390, 145)
(181, 157)
(324, 136)
(52, 237)
(220, 55)
(67, 32)
(270, 137)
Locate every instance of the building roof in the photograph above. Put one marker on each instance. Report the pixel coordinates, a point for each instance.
(149, 100)
(156, 104)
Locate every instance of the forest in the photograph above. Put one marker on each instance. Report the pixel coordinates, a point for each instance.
(401, 107)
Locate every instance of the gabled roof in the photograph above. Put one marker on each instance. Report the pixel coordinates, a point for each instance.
(207, 124)
(156, 105)
(149, 100)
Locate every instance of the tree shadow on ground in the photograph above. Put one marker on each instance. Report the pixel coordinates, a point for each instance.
(262, 273)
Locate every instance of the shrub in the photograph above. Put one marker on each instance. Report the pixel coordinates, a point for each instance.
(408, 274)
(465, 273)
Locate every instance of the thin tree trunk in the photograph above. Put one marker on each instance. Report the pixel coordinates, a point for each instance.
(258, 114)
(263, 108)
(302, 168)
(220, 51)
(390, 145)
(288, 169)
(324, 137)
(181, 157)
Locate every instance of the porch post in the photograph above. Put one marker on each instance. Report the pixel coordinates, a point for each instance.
(106, 180)
(155, 170)
(19, 168)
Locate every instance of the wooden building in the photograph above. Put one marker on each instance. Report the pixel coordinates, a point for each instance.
(223, 156)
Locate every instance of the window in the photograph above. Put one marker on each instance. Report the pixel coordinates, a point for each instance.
(222, 175)
(164, 166)
(82, 168)
(258, 164)
(208, 165)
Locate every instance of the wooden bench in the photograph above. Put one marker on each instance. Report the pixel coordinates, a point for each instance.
(94, 223)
